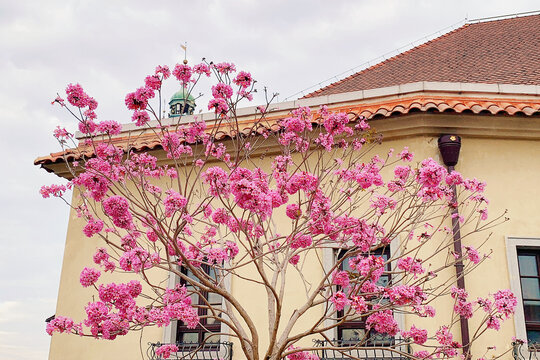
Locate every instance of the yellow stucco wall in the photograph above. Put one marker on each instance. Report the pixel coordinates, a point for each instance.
(509, 166)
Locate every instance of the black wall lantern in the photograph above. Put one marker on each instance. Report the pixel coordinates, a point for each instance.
(449, 146)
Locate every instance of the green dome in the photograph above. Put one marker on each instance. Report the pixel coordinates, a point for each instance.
(181, 96)
(181, 103)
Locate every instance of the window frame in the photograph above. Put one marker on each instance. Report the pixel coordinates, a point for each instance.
(361, 324)
(170, 331)
(513, 243)
(202, 327)
(529, 324)
(329, 259)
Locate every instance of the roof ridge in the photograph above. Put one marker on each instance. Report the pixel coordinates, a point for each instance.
(504, 17)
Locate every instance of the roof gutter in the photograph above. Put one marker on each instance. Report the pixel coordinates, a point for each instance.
(449, 147)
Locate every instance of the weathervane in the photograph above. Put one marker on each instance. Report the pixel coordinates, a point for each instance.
(184, 47)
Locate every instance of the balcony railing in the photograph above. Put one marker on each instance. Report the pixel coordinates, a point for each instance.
(374, 350)
(195, 351)
(526, 351)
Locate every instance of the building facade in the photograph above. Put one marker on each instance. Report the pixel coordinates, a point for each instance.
(480, 82)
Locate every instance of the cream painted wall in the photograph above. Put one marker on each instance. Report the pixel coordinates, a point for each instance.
(511, 170)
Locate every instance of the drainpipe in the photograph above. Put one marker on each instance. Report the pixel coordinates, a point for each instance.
(449, 146)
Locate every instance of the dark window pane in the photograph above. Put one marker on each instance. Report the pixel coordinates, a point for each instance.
(530, 288)
(527, 265)
(190, 337)
(352, 334)
(533, 336)
(532, 310)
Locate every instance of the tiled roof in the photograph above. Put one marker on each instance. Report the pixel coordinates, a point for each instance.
(494, 52)
(401, 106)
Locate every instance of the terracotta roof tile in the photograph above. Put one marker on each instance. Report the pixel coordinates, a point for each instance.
(494, 52)
(402, 106)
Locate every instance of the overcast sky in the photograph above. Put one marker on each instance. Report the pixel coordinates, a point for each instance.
(109, 46)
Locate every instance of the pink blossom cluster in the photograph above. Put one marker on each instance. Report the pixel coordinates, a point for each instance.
(117, 208)
(419, 336)
(243, 79)
(52, 190)
(383, 322)
(301, 355)
(89, 276)
(110, 127)
(371, 267)
(222, 91)
(413, 266)
(164, 351)
(77, 97)
(406, 295)
(93, 227)
(174, 202)
(101, 257)
(341, 278)
(61, 133)
(62, 324)
(462, 307)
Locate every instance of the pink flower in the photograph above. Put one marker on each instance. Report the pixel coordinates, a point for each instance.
(341, 278)
(54, 190)
(174, 202)
(60, 324)
(117, 207)
(300, 241)
(163, 70)
(219, 106)
(414, 266)
(76, 96)
(294, 259)
(293, 211)
(358, 303)
(444, 336)
(406, 155)
(505, 302)
(202, 68)
(153, 82)
(472, 254)
(165, 351)
(419, 336)
(382, 203)
(339, 299)
(89, 276)
(222, 91)
(493, 323)
(182, 73)
(61, 133)
(92, 227)
(383, 322)
(243, 79)
(110, 127)
(217, 178)
(140, 117)
(224, 67)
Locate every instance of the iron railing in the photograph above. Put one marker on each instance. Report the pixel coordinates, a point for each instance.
(195, 351)
(376, 349)
(526, 351)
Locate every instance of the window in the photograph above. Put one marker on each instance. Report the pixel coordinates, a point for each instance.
(529, 276)
(207, 326)
(355, 329)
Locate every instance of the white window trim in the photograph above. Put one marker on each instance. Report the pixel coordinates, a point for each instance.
(169, 333)
(329, 259)
(512, 244)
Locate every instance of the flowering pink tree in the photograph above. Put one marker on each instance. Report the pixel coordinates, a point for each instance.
(213, 204)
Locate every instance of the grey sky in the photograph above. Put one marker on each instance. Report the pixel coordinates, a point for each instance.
(109, 46)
